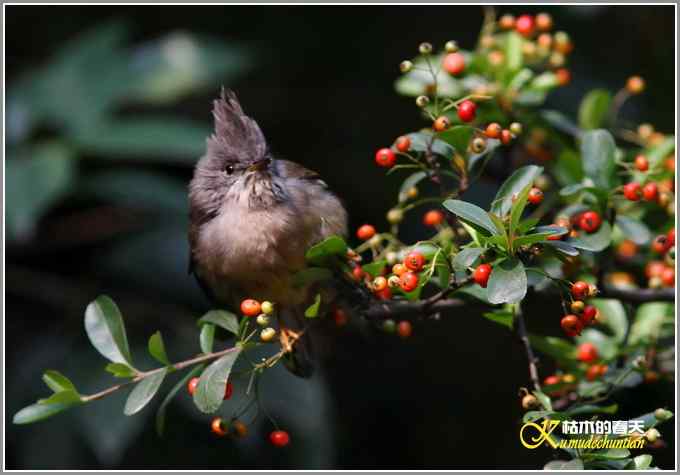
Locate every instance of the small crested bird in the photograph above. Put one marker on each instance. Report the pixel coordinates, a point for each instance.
(252, 219)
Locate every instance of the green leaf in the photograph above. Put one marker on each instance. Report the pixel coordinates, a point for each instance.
(557, 348)
(529, 239)
(592, 409)
(181, 384)
(57, 382)
(472, 213)
(164, 139)
(657, 153)
(598, 152)
(313, 310)
(563, 247)
(517, 209)
(331, 246)
(466, 257)
(221, 318)
(610, 453)
(207, 338)
(310, 275)
(572, 189)
(37, 179)
(143, 392)
(500, 231)
(592, 112)
(106, 331)
(612, 315)
(374, 268)
(561, 122)
(508, 282)
(39, 411)
(520, 79)
(635, 230)
(157, 348)
(411, 181)
(544, 82)
(513, 51)
(213, 383)
(502, 317)
(568, 168)
(564, 465)
(596, 242)
(67, 396)
(458, 136)
(522, 177)
(121, 370)
(649, 319)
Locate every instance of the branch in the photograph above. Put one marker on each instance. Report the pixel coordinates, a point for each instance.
(380, 310)
(638, 295)
(146, 374)
(531, 357)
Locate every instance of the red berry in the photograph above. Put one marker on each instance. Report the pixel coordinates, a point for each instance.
(433, 218)
(454, 63)
(563, 76)
(481, 274)
(403, 144)
(593, 372)
(506, 136)
(654, 269)
(408, 281)
(668, 277)
(493, 130)
(365, 232)
(414, 261)
(525, 25)
(579, 290)
(588, 315)
(535, 196)
(660, 244)
(217, 427)
(279, 438)
(551, 380)
(228, 391)
(467, 110)
(404, 329)
(587, 352)
(670, 236)
(191, 386)
(385, 158)
(632, 191)
(340, 317)
(650, 192)
(641, 163)
(384, 294)
(251, 308)
(571, 325)
(590, 221)
(358, 273)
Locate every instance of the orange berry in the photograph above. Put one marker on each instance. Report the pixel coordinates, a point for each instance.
(365, 232)
(454, 63)
(506, 136)
(433, 218)
(218, 427)
(191, 385)
(635, 84)
(399, 269)
(668, 277)
(632, 191)
(251, 308)
(403, 144)
(551, 380)
(358, 273)
(563, 76)
(579, 290)
(340, 317)
(414, 261)
(379, 283)
(228, 390)
(650, 192)
(654, 269)
(587, 352)
(481, 274)
(442, 123)
(571, 325)
(493, 130)
(641, 163)
(408, 281)
(627, 249)
(544, 21)
(404, 329)
(535, 196)
(384, 294)
(385, 158)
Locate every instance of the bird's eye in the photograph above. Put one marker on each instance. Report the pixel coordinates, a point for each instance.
(229, 169)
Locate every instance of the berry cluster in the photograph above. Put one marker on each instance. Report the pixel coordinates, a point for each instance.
(582, 314)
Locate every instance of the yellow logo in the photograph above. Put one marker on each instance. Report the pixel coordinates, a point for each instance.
(542, 435)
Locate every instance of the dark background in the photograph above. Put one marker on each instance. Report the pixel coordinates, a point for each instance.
(320, 86)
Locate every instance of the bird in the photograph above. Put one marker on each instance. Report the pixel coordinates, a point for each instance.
(252, 217)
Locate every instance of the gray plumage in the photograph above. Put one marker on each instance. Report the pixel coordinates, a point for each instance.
(252, 217)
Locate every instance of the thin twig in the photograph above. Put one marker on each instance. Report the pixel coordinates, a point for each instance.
(531, 357)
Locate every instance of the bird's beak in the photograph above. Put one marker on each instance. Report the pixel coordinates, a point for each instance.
(259, 165)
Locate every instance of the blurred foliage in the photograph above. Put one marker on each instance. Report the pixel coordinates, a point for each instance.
(78, 97)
